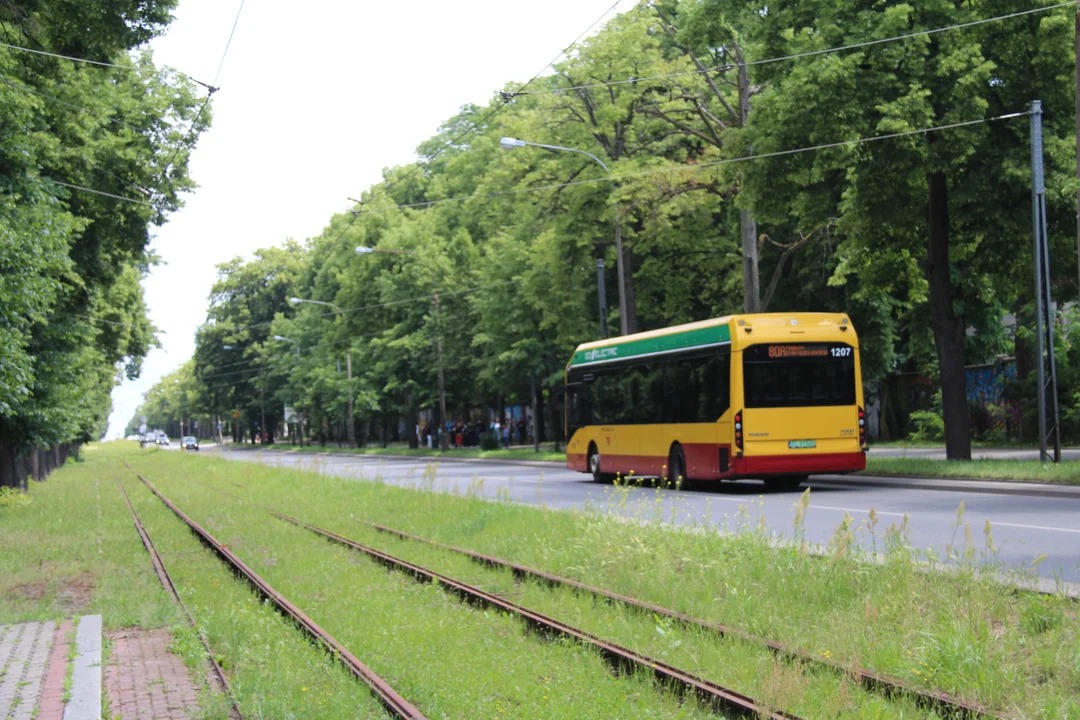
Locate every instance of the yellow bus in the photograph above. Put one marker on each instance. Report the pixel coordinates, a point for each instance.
(772, 396)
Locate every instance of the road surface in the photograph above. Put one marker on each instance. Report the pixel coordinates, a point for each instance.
(1024, 527)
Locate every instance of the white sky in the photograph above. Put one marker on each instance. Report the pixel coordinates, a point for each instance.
(316, 99)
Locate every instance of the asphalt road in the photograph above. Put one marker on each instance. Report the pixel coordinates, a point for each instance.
(1024, 527)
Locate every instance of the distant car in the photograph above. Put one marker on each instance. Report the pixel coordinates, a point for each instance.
(189, 443)
(163, 439)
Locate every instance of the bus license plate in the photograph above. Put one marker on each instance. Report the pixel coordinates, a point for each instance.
(801, 444)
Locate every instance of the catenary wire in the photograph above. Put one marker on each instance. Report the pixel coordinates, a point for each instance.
(701, 166)
(210, 90)
(506, 100)
(810, 53)
(100, 192)
(228, 43)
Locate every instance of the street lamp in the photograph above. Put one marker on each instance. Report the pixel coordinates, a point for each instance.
(300, 422)
(281, 338)
(350, 425)
(444, 437)
(508, 143)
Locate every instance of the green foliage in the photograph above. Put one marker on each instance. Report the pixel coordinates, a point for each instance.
(929, 425)
(13, 497)
(72, 315)
(842, 228)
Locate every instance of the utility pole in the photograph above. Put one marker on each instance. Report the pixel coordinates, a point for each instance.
(603, 297)
(1044, 312)
(350, 425)
(262, 412)
(444, 438)
(747, 226)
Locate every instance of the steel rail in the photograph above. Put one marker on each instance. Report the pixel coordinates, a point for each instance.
(390, 699)
(872, 681)
(713, 694)
(167, 582)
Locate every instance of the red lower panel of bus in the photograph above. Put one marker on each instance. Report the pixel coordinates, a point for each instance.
(705, 461)
(796, 464)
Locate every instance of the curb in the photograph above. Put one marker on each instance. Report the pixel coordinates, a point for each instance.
(85, 701)
(966, 485)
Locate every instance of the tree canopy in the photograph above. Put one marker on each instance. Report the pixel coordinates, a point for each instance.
(914, 217)
(91, 158)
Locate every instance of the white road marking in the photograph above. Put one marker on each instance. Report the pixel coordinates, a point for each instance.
(853, 510)
(1034, 527)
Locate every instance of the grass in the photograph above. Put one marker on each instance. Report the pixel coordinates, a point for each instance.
(442, 655)
(1019, 470)
(954, 632)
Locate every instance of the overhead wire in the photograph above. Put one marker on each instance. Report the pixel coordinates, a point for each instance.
(701, 166)
(809, 53)
(210, 90)
(506, 100)
(236, 20)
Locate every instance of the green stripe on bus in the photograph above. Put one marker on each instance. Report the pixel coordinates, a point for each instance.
(662, 344)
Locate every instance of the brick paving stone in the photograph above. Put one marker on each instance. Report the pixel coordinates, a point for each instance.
(24, 654)
(145, 681)
(52, 695)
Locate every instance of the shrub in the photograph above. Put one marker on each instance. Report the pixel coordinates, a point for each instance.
(929, 424)
(489, 442)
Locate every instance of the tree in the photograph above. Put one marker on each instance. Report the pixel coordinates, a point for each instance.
(935, 200)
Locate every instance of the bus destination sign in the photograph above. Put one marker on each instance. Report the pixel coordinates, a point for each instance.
(798, 351)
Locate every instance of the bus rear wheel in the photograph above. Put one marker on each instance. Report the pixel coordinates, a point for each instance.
(785, 483)
(594, 467)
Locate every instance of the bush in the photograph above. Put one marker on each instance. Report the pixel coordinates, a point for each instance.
(489, 442)
(929, 424)
(13, 497)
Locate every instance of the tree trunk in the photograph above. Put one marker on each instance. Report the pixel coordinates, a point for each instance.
(949, 331)
(535, 417)
(7, 467)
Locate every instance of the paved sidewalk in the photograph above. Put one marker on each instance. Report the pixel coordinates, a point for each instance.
(24, 658)
(145, 681)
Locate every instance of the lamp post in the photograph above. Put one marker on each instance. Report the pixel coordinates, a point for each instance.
(444, 437)
(217, 417)
(350, 423)
(508, 143)
(300, 422)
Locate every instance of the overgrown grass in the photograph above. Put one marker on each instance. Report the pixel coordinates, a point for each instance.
(1018, 470)
(404, 451)
(951, 631)
(444, 656)
(956, 632)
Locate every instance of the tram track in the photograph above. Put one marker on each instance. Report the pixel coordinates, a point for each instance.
(397, 705)
(879, 683)
(712, 694)
(167, 582)
(873, 681)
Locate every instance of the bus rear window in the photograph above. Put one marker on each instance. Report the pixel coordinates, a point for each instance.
(799, 375)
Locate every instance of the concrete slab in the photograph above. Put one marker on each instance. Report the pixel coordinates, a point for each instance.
(85, 703)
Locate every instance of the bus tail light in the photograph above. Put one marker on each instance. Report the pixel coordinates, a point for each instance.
(738, 431)
(862, 428)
